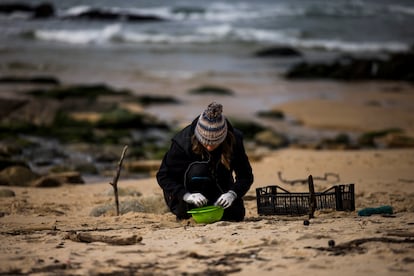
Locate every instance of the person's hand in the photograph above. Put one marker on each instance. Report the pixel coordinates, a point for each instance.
(197, 199)
(226, 200)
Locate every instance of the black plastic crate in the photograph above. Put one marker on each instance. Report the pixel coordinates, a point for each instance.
(274, 200)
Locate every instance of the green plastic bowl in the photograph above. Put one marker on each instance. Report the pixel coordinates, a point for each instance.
(207, 214)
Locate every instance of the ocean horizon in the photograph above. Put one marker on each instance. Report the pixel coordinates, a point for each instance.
(349, 26)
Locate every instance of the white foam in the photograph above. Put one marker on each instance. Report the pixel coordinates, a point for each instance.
(346, 46)
(291, 38)
(402, 9)
(91, 36)
(214, 33)
(76, 10)
(216, 30)
(175, 74)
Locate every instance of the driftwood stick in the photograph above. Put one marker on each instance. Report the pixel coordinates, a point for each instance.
(354, 245)
(112, 240)
(54, 229)
(114, 182)
(304, 181)
(406, 180)
(405, 234)
(312, 197)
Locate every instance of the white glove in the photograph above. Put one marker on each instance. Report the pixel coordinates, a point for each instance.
(197, 199)
(226, 200)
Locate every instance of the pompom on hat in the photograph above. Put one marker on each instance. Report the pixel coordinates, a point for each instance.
(211, 128)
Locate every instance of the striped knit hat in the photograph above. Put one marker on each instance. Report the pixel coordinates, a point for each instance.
(211, 127)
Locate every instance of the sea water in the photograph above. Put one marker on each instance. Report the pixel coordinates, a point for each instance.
(196, 39)
(232, 28)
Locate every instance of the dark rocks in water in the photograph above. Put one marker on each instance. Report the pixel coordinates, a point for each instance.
(149, 99)
(47, 10)
(396, 141)
(43, 10)
(278, 52)
(143, 18)
(388, 138)
(11, 146)
(90, 113)
(211, 89)
(43, 155)
(398, 66)
(9, 8)
(248, 128)
(48, 80)
(274, 114)
(188, 10)
(30, 114)
(367, 139)
(78, 91)
(122, 119)
(101, 14)
(271, 139)
(342, 141)
(112, 127)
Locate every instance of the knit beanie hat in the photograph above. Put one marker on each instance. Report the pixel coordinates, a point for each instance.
(211, 126)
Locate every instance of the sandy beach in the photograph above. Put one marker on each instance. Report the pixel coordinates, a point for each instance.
(95, 49)
(35, 233)
(48, 231)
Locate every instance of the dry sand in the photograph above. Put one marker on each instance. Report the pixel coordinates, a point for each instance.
(38, 223)
(34, 235)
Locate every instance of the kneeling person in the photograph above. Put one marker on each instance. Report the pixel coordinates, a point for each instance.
(206, 164)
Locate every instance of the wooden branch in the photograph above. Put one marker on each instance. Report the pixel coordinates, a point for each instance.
(406, 180)
(312, 197)
(304, 181)
(88, 238)
(354, 245)
(402, 234)
(114, 182)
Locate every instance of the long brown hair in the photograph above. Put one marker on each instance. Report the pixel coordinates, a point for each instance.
(227, 148)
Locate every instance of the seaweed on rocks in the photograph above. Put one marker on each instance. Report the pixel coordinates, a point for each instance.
(211, 89)
(367, 139)
(249, 128)
(278, 51)
(43, 10)
(91, 92)
(397, 66)
(146, 100)
(48, 80)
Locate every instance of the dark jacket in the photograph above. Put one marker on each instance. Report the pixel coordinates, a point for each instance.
(171, 175)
